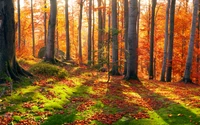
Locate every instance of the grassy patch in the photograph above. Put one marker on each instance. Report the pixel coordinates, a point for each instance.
(85, 98)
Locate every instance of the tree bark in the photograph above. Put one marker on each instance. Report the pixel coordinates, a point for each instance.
(165, 44)
(8, 64)
(50, 48)
(79, 32)
(67, 31)
(188, 66)
(90, 33)
(132, 41)
(33, 33)
(125, 34)
(45, 24)
(114, 39)
(151, 73)
(93, 27)
(19, 25)
(100, 35)
(171, 41)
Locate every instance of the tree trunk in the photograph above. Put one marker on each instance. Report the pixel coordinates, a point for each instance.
(132, 41)
(90, 33)
(79, 32)
(8, 64)
(67, 31)
(45, 24)
(93, 27)
(165, 44)
(19, 24)
(33, 34)
(151, 73)
(114, 39)
(100, 34)
(125, 34)
(50, 48)
(188, 66)
(171, 41)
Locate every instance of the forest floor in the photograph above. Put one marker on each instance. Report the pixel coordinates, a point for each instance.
(78, 95)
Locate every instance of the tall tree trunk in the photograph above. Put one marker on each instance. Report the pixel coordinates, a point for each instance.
(45, 23)
(198, 46)
(79, 32)
(151, 73)
(19, 24)
(138, 32)
(108, 43)
(171, 41)
(114, 39)
(67, 31)
(93, 27)
(132, 41)
(33, 34)
(50, 48)
(8, 64)
(100, 34)
(188, 66)
(125, 34)
(166, 43)
(90, 33)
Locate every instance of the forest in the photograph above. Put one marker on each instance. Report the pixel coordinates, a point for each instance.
(99, 62)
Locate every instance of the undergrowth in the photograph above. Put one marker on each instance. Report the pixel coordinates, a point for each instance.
(84, 98)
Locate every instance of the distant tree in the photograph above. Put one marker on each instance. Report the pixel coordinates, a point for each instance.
(186, 77)
(50, 47)
(171, 41)
(125, 34)
(114, 39)
(45, 23)
(151, 74)
(81, 2)
(166, 43)
(67, 31)
(132, 41)
(19, 24)
(33, 34)
(93, 29)
(100, 34)
(90, 33)
(8, 64)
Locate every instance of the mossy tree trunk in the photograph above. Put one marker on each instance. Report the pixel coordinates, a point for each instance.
(8, 64)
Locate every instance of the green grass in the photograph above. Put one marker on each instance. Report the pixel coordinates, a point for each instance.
(81, 95)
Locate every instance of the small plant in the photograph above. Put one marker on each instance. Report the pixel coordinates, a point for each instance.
(48, 70)
(62, 74)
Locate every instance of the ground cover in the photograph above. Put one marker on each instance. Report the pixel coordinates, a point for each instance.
(69, 94)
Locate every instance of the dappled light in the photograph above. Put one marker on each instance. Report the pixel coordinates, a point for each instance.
(99, 62)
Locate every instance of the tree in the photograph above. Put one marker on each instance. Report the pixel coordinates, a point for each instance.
(33, 34)
(171, 41)
(19, 24)
(49, 56)
(67, 31)
(125, 33)
(100, 34)
(165, 44)
(90, 33)
(93, 29)
(188, 66)
(114, 39)
(151, 74)
(79, 31)
(8, 65)
(132, 41)
(45, 23)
